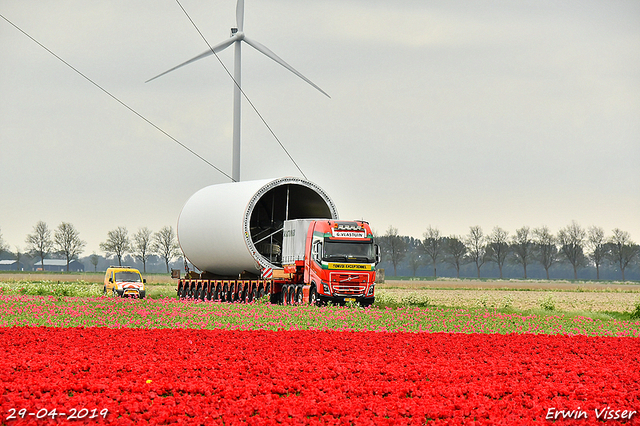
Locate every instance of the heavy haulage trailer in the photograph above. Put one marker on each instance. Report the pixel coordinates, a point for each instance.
(278, 237)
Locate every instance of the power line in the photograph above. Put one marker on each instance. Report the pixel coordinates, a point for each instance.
(115, 98)
(242, 91)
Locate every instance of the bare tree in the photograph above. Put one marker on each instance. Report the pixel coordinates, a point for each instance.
(432, 245)
(498, 247)
(67, 241)
(39, 243)
(165, 245)
(3, 246)
(522, 247)
(117, 243)
(571, 239)
(17, 256)
(454, 252)
(545, 249)
(94, 259)
(622, 250)
(142, 246)
(415, 262)
(476, 249)
(596, 243)
(393, 246)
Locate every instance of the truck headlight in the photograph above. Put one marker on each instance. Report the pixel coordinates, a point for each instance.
(325, 288)
(370, 292)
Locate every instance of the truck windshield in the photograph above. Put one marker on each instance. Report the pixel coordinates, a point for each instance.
(127, 276)
(349, 251)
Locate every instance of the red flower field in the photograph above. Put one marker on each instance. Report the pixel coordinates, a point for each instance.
(159, 376)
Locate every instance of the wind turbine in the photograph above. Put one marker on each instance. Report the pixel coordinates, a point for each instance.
(237, 37)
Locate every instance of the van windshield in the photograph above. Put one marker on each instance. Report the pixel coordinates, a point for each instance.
(128, 276)
(349, 251)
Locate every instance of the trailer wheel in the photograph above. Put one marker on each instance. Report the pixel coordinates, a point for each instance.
(291, 295)
(252, 295)
(214, 293)
(229, 296)
(225, 294)
(196, 292)
(285, 294)
(184, 291)
(260, 292)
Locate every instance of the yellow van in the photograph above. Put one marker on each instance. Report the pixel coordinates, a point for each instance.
(124, 281)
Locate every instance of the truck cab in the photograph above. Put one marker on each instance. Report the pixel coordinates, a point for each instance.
(340, 261)
(124, 281)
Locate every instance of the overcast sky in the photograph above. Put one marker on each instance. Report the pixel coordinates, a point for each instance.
(442, 113)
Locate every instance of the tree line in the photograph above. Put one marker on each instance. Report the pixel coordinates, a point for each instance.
(65, 242)
(573, 245)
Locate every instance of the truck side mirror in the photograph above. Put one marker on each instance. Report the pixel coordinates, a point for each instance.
(378, 257)
(110, 280)
(144, 281)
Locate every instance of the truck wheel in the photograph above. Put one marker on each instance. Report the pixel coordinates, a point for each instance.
(254, 294)
(104, 291)
(314, 300)
(285, 295)
(299, 296)
(179, 290)
(261, 293)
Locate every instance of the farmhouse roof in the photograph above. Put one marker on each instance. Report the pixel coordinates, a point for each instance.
(53, 262)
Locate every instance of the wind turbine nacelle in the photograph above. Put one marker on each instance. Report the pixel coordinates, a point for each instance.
(231, 228)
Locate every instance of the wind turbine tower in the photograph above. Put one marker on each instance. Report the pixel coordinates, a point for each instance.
(237, 37)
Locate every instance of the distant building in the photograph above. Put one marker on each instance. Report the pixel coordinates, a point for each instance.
(11, 265)
(58, 265)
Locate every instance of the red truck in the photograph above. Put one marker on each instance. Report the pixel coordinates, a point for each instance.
(322, 260)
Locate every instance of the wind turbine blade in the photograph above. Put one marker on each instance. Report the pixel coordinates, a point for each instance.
(263, 49)
(215, 49)
(240, 15)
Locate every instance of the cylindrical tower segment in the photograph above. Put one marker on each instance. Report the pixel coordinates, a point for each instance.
(229, 228)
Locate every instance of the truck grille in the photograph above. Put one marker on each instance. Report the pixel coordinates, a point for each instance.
(345, 284)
